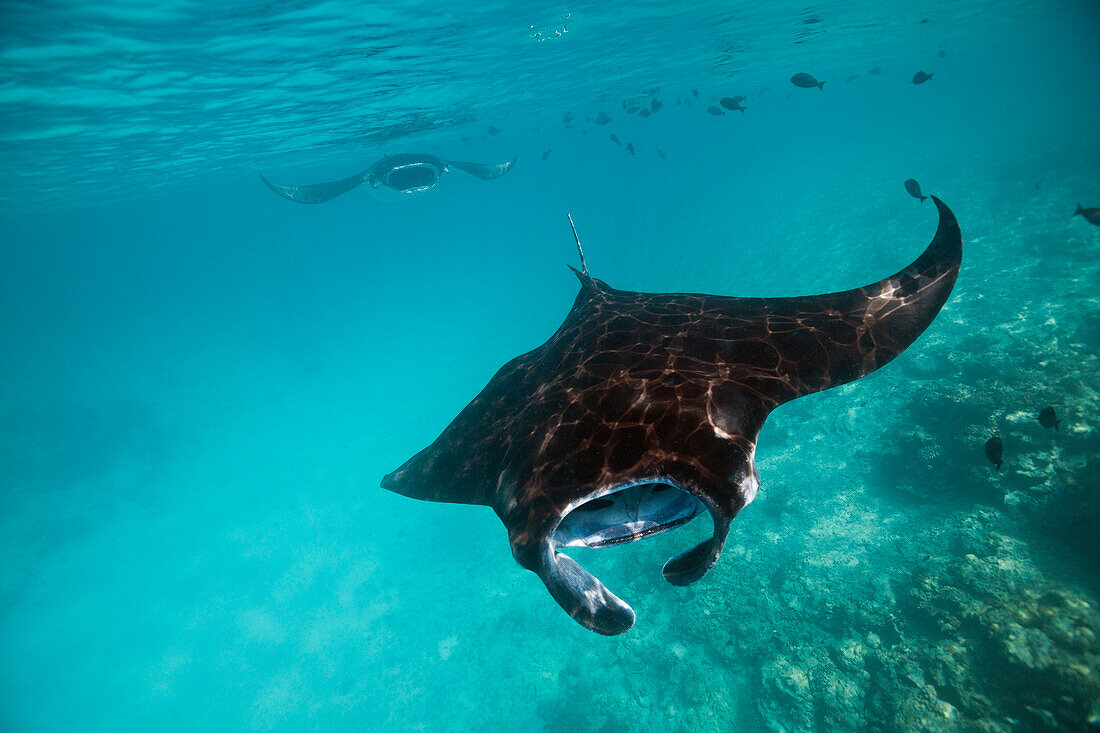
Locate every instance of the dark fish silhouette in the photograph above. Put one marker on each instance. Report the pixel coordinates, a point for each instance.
(655, 104)
(602, 118)
(941, 53)
(807, 82)
(567, 118)
(875, 71)
(853, 77)
(405, 174)
(715, 110)
(546, 154)
(731, 103)
(654, 402)
(630, 148)
(695, 92)
(993, 450)
(1048, 418)
(614, 138)
(914, 190)
(920, 77)
(644, 113)
(1092, 216)
(661, 154)
(494, 130)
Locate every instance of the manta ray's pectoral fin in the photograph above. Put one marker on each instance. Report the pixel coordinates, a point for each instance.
(483, 171)
(317, 193)
(584, 597)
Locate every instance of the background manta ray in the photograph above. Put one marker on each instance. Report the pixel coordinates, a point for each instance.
(643, 410)
(405, 174)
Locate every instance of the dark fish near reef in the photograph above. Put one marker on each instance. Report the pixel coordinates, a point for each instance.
(630, 148)
(993, 450)
(853, 77)
(920, 77)
(941, 53)
(655, 104)
(875, 71)
(614, 138)
(1048, 418)
(1092, 216)
(602, 119)
(807, 82)
(546, 154)
(715, 110)
(914, 190)
(494, 130)
(404, 174)
(661, 154)
(567, 118)
(695, 92)
(644, 113)
(650, 405)
(732, 104)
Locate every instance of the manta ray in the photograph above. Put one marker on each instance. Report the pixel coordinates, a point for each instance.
(642, 412)
(404, 174)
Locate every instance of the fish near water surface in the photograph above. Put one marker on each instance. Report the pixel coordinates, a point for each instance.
(913, 188)
(807, 82)
(642, 411)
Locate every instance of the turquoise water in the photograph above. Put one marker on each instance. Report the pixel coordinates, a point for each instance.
(202, 384)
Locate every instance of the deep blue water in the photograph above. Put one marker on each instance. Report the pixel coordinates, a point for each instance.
(202, 384)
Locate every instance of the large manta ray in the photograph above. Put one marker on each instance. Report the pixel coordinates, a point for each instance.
(643, 410)
(402, 174)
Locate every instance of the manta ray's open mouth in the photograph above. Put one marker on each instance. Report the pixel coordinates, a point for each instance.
(627, 514)
(412, 178)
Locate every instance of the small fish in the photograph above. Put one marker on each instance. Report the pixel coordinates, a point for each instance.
(655, 104)
(602, 118)
(914, 190)
(1092, 216)
(613, 138)
(763, 90)
(630, 148)
(714, 110)
(731, 103)
(875, 71)
(546, 154)
(661, 153)
(853, 77)
(695, 92)
(920, 77)
(567, 118)
(644, 113)
(807, 82)
(993, 450)
(494, 130)
(941, 53)
(1048, 418)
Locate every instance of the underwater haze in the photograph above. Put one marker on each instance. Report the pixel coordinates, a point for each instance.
(202, 383)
